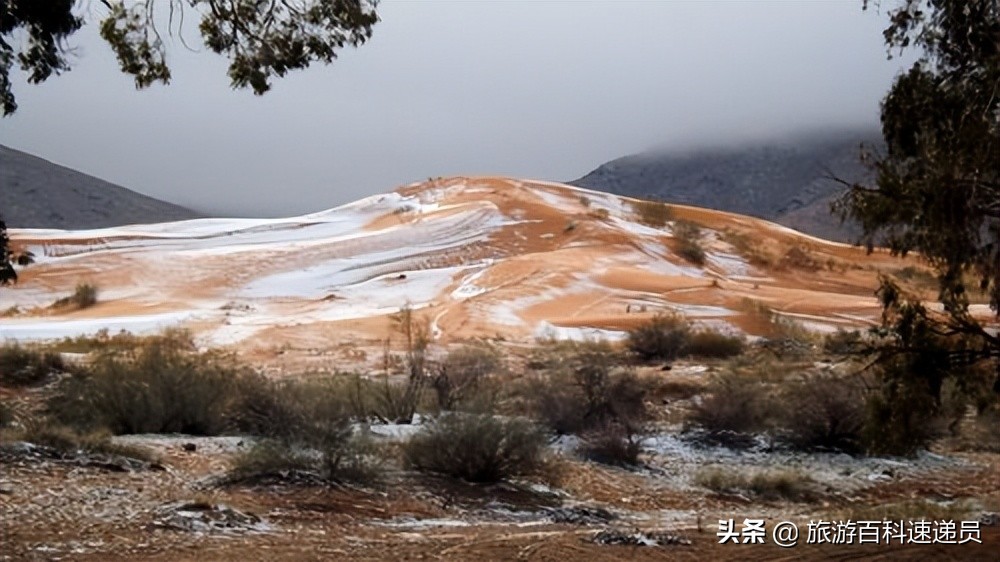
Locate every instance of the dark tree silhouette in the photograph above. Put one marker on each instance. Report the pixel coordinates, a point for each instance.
(261, 38)
(937, 186)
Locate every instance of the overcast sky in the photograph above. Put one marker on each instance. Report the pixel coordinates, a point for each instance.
(532, 89)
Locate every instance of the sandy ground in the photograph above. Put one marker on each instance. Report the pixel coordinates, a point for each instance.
(480, 257)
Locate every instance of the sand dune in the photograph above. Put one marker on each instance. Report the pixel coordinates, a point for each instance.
(477, 256)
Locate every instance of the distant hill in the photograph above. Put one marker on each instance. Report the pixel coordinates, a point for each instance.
(781, 181)
(35, 193)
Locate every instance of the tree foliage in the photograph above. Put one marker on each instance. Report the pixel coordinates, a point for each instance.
(261, 38)
(7, 273)
(937, 186)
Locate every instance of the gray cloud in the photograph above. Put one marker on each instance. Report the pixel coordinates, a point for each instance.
(535, 89)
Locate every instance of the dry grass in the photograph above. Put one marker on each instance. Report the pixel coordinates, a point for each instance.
(84, 296)
(27, 366)
(71, 442)
(765, 485)
(652, 213)
(663, 337)
(477, 447)
(688, 237)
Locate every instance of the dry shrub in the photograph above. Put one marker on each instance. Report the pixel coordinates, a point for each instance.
(307, 429)
(591, 397)
(290, 409)
(612, 444)
(734, 409)
(663, 337)
(714, 345)
(688, 237)
(477, 447)
(844, 342)
(7, 415)
(23, 366)
(652, 213)
(84, 296)
(459, 379)
(162, 387)
(588, 393)
(765, 485)
(799, 257)
(70, 442)
(821, 413)
(599, 214)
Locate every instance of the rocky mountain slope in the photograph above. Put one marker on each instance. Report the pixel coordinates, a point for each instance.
(35, 193)
(478, 257)
(781, 181)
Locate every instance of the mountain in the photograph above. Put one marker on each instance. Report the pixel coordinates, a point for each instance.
(780, 181)
(477, 257)
(35, 193)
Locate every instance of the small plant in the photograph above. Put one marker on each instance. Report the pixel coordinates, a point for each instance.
(586, 392)
(161, 387)
(663, 337)
(710, 344)
(70, 442)
(612, 444)
(23, 366)
(733, 410)
(652, 213)
(799, 257)
(7, 416)
(462, 374)
(477, 447)
(584, 200)
(601, 214)
(821, 413)
(84, 296)
(766, 485)
(688, 237)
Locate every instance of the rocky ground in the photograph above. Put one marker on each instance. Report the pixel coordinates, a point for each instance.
(102, 507)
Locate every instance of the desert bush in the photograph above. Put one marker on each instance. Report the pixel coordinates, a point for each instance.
(158, 388)
(71, 442)
(588, 393)
(688, 237)
(460, 377)
(23, 366)
(272, 460)
(711, 344)
(766, 485)
(84, 296)
(612, 444)
(307, 429)
(821, 413)
(734, 409)
(103, 340)
(843, 342)
(599, 214)
(799, 257)
(662, 337)
(652, 213)
(477, 447)
(339, 457)
(6, 415)
(301, 410)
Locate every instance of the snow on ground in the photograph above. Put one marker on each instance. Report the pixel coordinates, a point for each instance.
(545, 330)
(681, 460)
(729, 264)
(47, 329)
